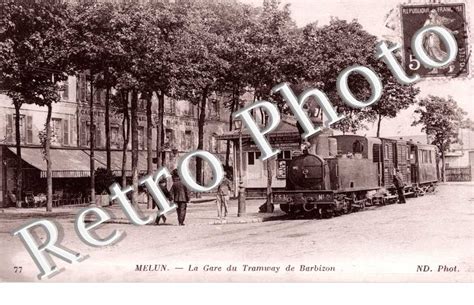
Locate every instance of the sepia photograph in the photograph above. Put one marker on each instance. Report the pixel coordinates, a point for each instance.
(236, 141)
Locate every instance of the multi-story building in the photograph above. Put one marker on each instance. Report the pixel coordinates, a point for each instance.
(71, 138)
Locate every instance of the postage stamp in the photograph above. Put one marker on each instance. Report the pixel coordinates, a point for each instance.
(450, 15)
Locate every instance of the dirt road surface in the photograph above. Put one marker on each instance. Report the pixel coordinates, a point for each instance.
(394, 243)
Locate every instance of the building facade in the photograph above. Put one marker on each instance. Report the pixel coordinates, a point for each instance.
(70, 141)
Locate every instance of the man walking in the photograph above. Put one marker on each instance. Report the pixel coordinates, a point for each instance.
(180, 196)
(222, 198)
(164, 189)
(400, 185)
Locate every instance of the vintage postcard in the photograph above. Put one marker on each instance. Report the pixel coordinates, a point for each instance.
(236, 141)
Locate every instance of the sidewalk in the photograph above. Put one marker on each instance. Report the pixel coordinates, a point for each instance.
(201, 211)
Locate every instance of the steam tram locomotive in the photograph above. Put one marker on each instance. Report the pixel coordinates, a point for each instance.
(340, 174)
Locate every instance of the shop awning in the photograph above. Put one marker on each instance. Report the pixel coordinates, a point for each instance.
(284, 129)
(116, 161)
(75, 163)
(66, 163)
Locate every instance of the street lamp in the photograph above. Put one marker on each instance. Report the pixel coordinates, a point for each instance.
(241, 198)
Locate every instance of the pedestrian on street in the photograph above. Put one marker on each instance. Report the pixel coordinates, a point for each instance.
(400, 185)
(180, 196)
(164, 189)
(222, 197)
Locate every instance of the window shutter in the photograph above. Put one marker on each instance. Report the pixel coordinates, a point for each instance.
(83, 134)
(66, 90)
(29, 129)
(79, 87)
(66, 132)
(9, 128)
(98, 138)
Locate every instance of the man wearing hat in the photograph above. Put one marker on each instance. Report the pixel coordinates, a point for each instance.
(400, 185)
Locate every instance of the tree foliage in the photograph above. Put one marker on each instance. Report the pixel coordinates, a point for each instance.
(441, 119)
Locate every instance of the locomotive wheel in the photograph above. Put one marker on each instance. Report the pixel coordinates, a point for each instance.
(346, 207)
(328, 214)
(285, 207)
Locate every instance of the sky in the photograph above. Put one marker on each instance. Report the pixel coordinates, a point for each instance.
(372, 14)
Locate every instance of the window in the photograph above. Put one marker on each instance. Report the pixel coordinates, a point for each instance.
(386, 152)
(114, 137)
(188, 109)
(188, 139)
(284, 155)
(169, 138)
(81, 88)
(252, 156)
(85, 131)
(98, 136)
(64, 92)
(26, 129)
(86, 135)
(424, 156)
(282, 159)
(98, 96)
(57, 131)
(214, 144)
(376, 152)
(169, 106)
(214, 109)
(357, 147)
(141, 138)
(66, 132)
(60, 131)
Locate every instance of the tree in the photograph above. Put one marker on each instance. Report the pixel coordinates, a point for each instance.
(95, 48)
(202, 66)
(164, 27)
(236, 49)
(135, 23)
(328, 50)
(33, 59)
(273, 59)
(441, 118)
(395, 96)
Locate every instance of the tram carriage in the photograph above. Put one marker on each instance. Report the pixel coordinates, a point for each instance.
(340, 174)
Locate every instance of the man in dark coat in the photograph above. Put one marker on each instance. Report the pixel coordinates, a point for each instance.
(180, 196)
(400, 185)
(167, 194)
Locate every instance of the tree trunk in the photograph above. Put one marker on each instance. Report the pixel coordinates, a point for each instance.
(160, 135)
(107, 128)
(269, 207)
(378, 125)
(201, 123)
(19, 171)
(443, 166)
(134, 115)
(233, 108)
(49, 172)
(149, 142)
(126, 137)
(92, 140)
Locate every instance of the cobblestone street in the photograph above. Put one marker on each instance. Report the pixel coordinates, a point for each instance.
(378, 244)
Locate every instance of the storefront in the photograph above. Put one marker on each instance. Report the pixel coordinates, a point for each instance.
(285, 137)
(70, 170)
